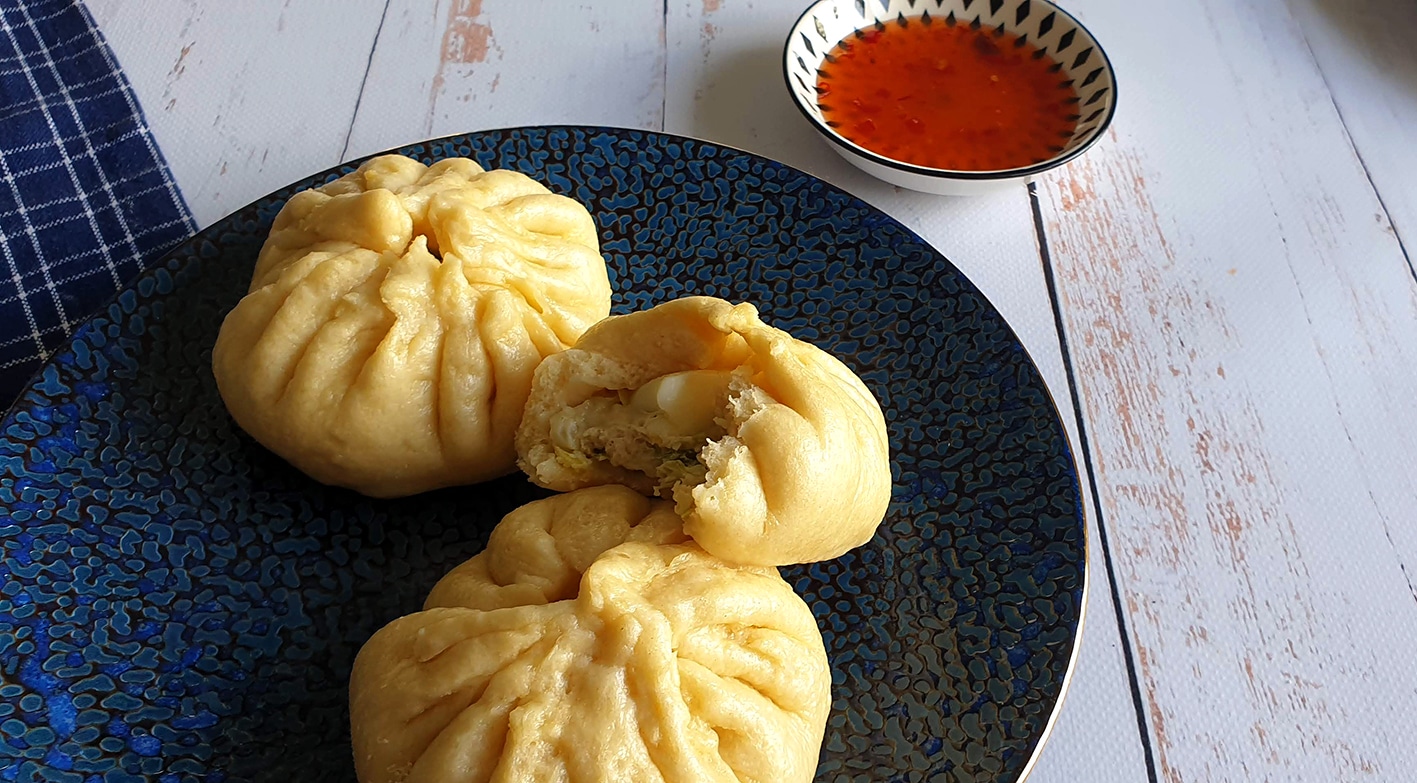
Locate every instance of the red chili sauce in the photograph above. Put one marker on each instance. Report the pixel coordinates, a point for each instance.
(947, 96)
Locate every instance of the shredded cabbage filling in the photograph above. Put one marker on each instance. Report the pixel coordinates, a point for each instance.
(658, 430)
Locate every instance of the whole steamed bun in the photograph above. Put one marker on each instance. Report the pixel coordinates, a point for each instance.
(396, 315)
(586, 646)
(773, 450)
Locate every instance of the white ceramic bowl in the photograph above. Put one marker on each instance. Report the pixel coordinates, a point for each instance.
(1058, 34)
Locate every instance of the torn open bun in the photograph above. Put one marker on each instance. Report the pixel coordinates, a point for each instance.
(773, 451)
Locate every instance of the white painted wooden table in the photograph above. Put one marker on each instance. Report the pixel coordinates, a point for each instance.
(1218, 291)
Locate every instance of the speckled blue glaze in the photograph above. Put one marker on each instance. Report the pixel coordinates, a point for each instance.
(177, 604)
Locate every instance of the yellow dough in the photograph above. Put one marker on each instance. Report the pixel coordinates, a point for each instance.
(548, 658)
(773, 450)
(395, 318)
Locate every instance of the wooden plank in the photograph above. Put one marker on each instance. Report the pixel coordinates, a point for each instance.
(463, 65)
(1244, 326)
(242, 97)
(1365, 50)
(725, 85)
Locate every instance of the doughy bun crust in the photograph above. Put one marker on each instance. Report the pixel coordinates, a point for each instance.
(646, 661)
(537, 553)
(395, 317)
(803, 473)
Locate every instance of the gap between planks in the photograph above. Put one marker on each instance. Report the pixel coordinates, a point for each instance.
(664, 62)
(363, 82)
(1362, 161)
(1114, 591)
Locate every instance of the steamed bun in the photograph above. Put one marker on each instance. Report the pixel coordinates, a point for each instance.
(538, 552)
(773, 450)
(395, 317)
(543, 659)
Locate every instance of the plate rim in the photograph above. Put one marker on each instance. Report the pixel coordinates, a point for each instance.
(1084, 517)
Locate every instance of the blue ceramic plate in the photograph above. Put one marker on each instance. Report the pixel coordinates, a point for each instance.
(177, 604)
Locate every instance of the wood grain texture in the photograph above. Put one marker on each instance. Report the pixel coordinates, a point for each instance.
(242, 97)
(1244, 325)
(453, 66)
(1366, 51)
(725, 84)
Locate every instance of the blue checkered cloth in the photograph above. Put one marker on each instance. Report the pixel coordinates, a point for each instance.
(86, 200)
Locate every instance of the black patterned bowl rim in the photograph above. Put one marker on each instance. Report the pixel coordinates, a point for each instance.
(956, 174)
(161, 266)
